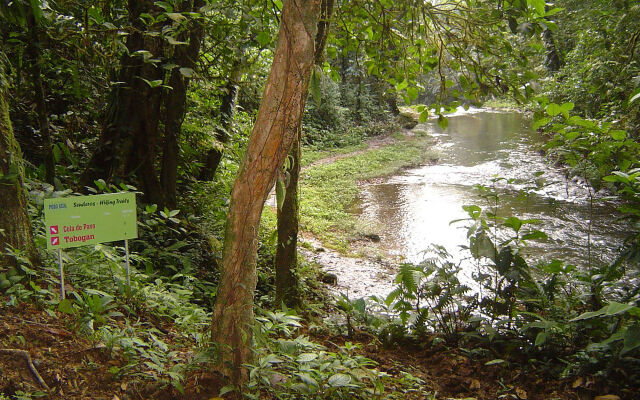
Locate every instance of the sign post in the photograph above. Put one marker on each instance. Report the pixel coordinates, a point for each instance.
(85, 220)
(61, 274)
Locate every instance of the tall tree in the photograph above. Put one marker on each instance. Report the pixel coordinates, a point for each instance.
(276, 125)
(129, 135)
(34, 46)
(15, 227)
(288, 209)
(175, 101)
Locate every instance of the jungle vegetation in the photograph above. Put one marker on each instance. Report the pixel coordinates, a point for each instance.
(204, 107)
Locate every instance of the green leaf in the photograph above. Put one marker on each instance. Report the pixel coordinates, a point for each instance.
(496, 361)
(280, 193)
(554, 109)
(66, 306)
(538, 5)
(571, 135)
(173, 41)
(631, 338)
(57, 154)
(617, 308)
(306, 378)
(153, 84)
(541, 338)
(634, 98)
(412, 92)
(612, 308)
(36, 9)
(306, 357)
(443, 122)
(618, 134)
(177, 17)
(339, 380)
(423, 116)
(514, 223)
(263, 38)
(541, 122)
(535, 235)
(226, 389)
(187, 72)
(553, 11)
(315, 85)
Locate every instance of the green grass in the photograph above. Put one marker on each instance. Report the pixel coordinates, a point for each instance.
(310, 156)
(327, 191)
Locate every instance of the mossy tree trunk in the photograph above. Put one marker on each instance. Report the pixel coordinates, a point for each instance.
(15, 227)
(278, 117)
(286, 262)
(130, 131)
(288, 221)
(175, 102)
(34, 52)
(227, 110)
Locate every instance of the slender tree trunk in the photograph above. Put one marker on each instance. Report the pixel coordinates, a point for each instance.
(175, 104)
(286, 263)
(552, 60)
(274, 131)
(288, 221)
(15, 227)
(33, 49)
(227, 110)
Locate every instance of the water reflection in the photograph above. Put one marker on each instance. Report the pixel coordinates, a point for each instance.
(414, 209)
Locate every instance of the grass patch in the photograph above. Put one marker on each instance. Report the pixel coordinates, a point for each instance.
(327, 191)
(310, 155)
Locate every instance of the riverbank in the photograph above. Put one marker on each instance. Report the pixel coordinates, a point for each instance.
(329, 189)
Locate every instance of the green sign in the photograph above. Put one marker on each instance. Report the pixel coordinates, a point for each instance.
(83, 220)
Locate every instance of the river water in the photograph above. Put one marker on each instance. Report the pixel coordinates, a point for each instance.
(413, 210)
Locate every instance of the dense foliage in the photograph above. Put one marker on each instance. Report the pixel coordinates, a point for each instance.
(160, 98)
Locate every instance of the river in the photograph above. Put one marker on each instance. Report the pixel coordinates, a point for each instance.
(413, 210)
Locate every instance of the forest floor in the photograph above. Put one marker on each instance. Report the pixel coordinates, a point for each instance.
(75, 368)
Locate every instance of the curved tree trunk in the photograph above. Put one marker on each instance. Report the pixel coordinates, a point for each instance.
(274, 131)
(15, 227)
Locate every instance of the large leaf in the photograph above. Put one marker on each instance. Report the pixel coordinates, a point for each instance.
(631, 338)
(537, 5)
(339, 380)
(443, 122)
(315, 85)
(306, 357)
(612, 308)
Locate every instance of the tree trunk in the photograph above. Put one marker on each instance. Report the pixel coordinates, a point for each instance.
(33, 49)
(130, 131)
(276, 125)
(175, 104)
(288, 216)
(552, 58)
(15, 227)
(227, 109)
(287, 247)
